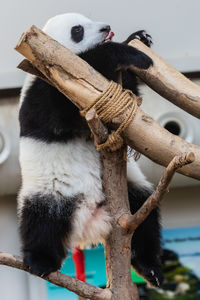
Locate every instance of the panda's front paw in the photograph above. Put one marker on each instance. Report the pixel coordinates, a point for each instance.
(144, 37)
(141, 35)
(41, 264)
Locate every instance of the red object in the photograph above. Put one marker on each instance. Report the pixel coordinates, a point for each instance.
(79, 261)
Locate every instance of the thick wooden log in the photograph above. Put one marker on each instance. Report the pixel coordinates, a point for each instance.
(82, 84)
(168, 82)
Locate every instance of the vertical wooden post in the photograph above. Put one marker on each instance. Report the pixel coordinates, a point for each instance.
(118, 244)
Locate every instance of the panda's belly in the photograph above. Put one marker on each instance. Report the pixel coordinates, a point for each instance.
(68, 170)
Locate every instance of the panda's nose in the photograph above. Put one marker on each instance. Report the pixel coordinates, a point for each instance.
(105, 28)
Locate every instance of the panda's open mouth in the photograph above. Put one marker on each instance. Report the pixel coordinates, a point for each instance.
(108, 37)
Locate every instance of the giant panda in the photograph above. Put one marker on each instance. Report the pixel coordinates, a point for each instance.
(61, 204)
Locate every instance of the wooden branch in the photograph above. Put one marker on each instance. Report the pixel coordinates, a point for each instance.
(97, 128)
(168, 82)
(82, 85)
(118, 244)
(79, 287)
(26, 66)
(131, 222)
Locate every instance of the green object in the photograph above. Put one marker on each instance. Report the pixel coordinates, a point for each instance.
(136, 278)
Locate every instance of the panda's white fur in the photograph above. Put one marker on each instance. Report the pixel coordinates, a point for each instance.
(55, 171)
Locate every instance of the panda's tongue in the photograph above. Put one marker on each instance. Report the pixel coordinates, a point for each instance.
(109, 36)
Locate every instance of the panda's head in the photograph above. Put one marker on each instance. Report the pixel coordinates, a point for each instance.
(77, 32)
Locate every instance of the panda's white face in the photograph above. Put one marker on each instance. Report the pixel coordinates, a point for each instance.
(77, 32)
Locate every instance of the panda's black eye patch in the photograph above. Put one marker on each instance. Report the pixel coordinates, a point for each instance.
(77, 33)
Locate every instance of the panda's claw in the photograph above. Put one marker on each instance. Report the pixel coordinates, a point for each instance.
(137, 37)
(157, 281)
(152, 272)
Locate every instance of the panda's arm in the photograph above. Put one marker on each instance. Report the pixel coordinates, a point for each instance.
(110, 56)
(128, 78)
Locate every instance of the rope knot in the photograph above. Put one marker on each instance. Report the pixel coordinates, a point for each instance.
(113, 102)
(113, 142)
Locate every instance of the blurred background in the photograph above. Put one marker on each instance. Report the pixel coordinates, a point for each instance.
(174, 26)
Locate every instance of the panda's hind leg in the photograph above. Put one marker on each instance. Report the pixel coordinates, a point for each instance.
(146, 245)
(45, 222)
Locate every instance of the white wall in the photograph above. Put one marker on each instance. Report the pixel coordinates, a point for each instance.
(174, 25)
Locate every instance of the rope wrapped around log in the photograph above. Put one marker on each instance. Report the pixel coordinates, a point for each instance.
(113, 102)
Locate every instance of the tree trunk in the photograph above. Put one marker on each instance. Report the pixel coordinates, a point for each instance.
(118, 245)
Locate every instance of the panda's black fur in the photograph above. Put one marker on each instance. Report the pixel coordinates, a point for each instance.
(58, 192)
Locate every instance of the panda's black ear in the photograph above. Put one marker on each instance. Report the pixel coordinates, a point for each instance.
(77, 33)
